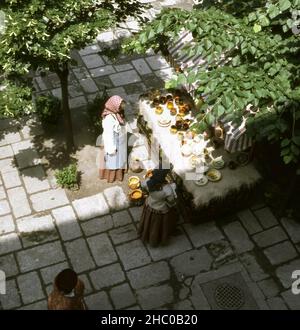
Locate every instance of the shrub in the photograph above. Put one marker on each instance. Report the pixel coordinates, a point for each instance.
(48, 108)
(94, 109)
(68, 177)
(15, 98)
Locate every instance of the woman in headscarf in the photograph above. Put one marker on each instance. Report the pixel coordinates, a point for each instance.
(159, 216)
(114, 140)
(67, 292)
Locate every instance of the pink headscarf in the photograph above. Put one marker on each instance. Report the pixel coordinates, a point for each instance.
(112, 106)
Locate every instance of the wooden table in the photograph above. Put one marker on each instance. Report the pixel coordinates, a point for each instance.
(234, 189)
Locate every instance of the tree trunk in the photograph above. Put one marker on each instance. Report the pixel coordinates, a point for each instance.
(63, 76)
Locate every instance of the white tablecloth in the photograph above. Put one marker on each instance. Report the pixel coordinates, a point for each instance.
(232, 180)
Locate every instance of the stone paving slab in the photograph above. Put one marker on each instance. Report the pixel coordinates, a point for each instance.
(6, 152)
(19, 202)
(270, 237)
(97, 225)
(49, 273)
(269, 288)
(103, 71)
(2, 192)
(284, 273)
(75, 90)
(136, 213)
(280, 253)
(34, 179)
(155, 297)
(4, 207)
(157, 62)
(117, 91)
(121, 218)
(39, 306)
(122, 296)
(276, 303)
(25, 153)
(92, 61)
(77, 102)
(176, 245)
(123, 67)
(250, 222)
(134, 308)
(123, 234)
(36, 230)
(87, 285)
(30, 287)
(133, 254)
(8, 265)
(191, 263)
(79, 255)
(92, 49)
(66, 222)
(107, 276)
(91, 207)
(81, 72)
(253, 267)
(266, 217)
(184, 305)
(98, 301)
(291, 300)
(124, 78)
(7, 165)
(203, 234)
(48, 200)
(293, 229)
(102, 249)
(238, 237)
(116, 198)
(141, 66)
(7, 224)
(56, 93)
(88, 85)
(10, 137)
(40, 256)
(198, 298)
(11, 179)
(32, 128)
(152, 274)
(9, 243)
(12, 300)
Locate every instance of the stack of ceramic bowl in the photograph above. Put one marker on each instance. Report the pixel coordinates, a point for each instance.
(135, 194)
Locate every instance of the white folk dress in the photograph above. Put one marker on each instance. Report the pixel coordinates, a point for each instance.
(114, 139)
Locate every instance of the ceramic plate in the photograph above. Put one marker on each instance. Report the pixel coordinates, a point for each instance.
(201, 182)
(218, 164)
(214, 175)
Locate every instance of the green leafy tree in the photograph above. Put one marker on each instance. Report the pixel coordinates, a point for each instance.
(42, 33)
(251, 51)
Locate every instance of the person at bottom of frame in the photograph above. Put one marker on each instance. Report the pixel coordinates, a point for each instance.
(159, 215)
(67, 292)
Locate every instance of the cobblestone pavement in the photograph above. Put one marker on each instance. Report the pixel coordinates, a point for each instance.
(242, 262)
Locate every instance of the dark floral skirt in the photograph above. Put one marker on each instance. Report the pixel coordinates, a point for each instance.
(156, 227)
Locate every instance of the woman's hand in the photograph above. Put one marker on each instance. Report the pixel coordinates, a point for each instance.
(114, 153)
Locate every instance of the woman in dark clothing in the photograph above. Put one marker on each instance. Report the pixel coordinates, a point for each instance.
(159, 216)
(67, 293)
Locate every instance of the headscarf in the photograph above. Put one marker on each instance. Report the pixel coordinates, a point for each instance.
(157, 179)
(66, 280)
(112, 106)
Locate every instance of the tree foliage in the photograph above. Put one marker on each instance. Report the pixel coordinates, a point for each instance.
(252, 61)
(42, 34)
